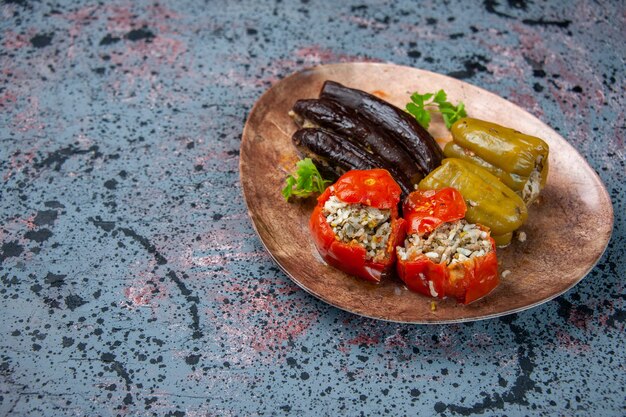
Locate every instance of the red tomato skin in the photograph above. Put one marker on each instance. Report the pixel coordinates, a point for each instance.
(465, 281)
(425, 210)
(373, 187)
(485, 277)
(419, 275)
(351, 257)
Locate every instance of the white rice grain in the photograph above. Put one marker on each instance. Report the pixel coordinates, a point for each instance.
(367, 226)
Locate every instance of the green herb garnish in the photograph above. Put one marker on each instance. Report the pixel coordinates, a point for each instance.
(422, 105)
(305, 182)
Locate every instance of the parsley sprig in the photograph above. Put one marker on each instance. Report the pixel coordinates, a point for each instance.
(422, 105)
(305, 182)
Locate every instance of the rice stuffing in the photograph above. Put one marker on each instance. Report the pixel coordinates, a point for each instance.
(533, 186)
(449, 243)
(358, 223)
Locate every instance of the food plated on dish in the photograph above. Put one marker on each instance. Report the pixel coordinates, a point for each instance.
(386, 153)
(537, 266)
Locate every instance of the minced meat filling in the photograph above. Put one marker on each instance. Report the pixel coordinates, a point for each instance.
(358, 223)
(449, 243)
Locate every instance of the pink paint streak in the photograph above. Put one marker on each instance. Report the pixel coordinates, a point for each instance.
(138, 72)
(139, 296)
(78, 19)
(300, 58)
(280, 324)
(579, 319)
(396, 341)
(365, 22)
(13, 40)
(221, 259)
(8, 99)
(364, 339)
(17, 162)
(316, 54)
(567, 342)
(28, 119)
(121, 19)
(423, 32)
(145, 288)
(527, 101)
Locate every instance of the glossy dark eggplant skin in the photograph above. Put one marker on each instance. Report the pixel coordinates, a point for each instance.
(391, 120)
(333, 152)
(333, 116)
(329, 115)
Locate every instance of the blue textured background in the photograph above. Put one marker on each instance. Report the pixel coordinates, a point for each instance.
(132, 280)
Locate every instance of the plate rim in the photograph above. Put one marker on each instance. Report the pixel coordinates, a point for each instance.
(589, 168)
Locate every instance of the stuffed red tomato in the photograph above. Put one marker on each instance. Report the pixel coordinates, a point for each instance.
(443, 255)
(356, 225)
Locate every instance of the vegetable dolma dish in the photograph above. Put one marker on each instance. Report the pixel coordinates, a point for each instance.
(382, 153)
(517, 185)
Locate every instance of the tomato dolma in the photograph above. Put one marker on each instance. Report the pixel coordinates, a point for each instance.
(489, 201)
(356, 225)
(444, 255)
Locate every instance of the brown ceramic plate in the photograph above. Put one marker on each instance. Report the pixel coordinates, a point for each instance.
(567, 231)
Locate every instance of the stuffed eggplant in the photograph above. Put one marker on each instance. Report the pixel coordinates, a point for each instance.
(335, 117)
(390, 121)
(333, 154)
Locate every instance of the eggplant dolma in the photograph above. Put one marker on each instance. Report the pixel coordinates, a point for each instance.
(333, 116)
(335, 155)
(390, 120)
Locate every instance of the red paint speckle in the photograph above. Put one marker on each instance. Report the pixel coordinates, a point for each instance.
(364, 339)
(13, 40)
(569, 343)
(145, 289)
(579, 319)
(318, 55)
(247, 305)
